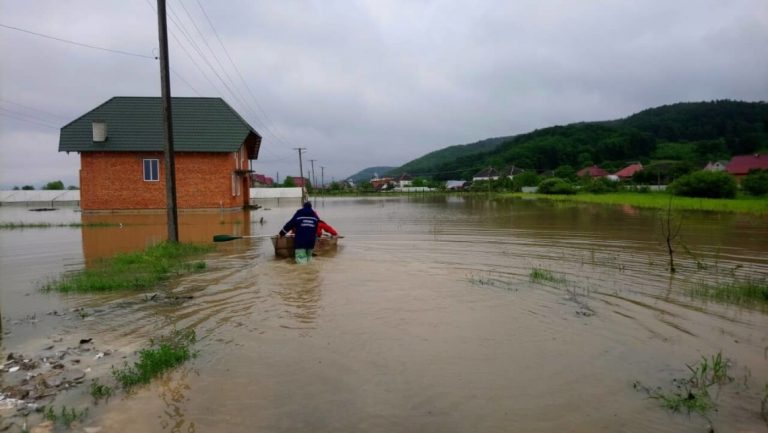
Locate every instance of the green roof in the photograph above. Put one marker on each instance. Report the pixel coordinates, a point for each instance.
(135, 124)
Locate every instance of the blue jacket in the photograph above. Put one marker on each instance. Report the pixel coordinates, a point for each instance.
(304, 224)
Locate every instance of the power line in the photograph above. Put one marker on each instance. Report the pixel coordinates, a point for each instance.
(20, 117)
(125, 53)
(27, 107)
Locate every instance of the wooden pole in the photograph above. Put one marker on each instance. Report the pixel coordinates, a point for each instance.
(170, 165)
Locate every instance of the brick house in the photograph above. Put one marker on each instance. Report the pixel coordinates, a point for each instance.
(121, 141)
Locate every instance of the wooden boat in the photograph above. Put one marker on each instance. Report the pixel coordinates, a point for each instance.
(284, 245)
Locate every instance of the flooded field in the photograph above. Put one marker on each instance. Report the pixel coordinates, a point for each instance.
(426, 319)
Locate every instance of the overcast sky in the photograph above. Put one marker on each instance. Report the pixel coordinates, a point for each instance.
(364, 83)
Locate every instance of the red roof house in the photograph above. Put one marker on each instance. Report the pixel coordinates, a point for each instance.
(299, 181)
(741, 165)
(593, 171)
(628, 171)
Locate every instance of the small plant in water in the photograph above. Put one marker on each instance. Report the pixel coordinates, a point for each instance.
(538, 275)
(692, 394)
(164, 354)
(740, 292)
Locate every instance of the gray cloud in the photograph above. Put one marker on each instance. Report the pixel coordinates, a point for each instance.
(376, 82)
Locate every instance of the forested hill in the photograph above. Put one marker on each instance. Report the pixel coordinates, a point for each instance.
(366, 174)
(693, 132)
(425, 163)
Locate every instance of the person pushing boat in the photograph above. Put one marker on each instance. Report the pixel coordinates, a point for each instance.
(304, 224)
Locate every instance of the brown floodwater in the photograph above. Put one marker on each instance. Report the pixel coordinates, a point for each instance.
(425, 319)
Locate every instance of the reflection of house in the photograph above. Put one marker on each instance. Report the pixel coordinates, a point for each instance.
(455, 185)
(121, 154)
(741, 165)
(261, 180)
(593, 171)
(628, 171)
(716, 166)
(487, 174)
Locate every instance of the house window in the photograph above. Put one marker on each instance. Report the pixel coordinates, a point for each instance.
(151, 170)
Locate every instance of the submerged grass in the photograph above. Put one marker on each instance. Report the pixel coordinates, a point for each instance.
(692, 394)
(539, 275)
(133, 271)
(23, 225)
(745, 292)
(64, 417)
(164, 354)
(660, 200)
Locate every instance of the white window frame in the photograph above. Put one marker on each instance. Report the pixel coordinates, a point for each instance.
(148, 176)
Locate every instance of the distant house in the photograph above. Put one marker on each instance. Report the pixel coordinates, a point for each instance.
(404, 180)
(593, 171)
(715, 166)
(513, 171)
(261, 180)
(121, 143)
(455, 185)
(487, 174)
(741, 165)
(628, 171)
(301, 182)
(382, 183)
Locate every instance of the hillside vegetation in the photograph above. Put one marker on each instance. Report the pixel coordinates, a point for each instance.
(685, 133)
(365, 174)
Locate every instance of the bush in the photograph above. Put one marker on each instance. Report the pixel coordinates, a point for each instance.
(555, 185)
(55, 185)
(601, 185)
(708, 184)
(756, 182)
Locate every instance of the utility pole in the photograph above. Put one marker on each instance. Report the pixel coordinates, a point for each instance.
(322, 178)
(314, 181)
(170, 165)
(301, 173)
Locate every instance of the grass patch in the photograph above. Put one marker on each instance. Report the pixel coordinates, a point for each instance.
(539, 275)
(660, 200)
(692, 394)
(164, 354)
(22, 225)
(99, 391)
(133, 271)
(746, 292)
(65, 417)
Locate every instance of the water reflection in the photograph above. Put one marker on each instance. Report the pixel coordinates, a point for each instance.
(299, 290)
(136, 231)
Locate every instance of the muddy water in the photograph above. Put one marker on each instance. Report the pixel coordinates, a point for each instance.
(425, 318)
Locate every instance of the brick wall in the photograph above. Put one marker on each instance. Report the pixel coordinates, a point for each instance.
(115, 181)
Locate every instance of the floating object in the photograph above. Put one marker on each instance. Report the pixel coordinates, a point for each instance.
(284, 245)
(13, 369)
(225, 238)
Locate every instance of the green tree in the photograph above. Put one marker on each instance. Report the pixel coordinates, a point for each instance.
(526, 178)
(27, 187)
(55, 185)
(73, 188)
(708, 184)
(288, 182)
(16, 188)
(756, 182)
(565, 172)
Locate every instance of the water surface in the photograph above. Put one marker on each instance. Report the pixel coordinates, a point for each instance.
(424, 319)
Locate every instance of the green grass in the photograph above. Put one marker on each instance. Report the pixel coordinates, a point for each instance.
(23, 225)
(745, 292)
(100, 391)
(164, 354)
(66, 416)
(660, 200)
(692, 394)
(133, 271)
(539, 275)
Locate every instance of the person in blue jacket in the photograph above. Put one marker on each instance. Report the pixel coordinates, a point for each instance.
(304, 224)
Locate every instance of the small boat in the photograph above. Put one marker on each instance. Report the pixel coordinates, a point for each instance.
(284, 245)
